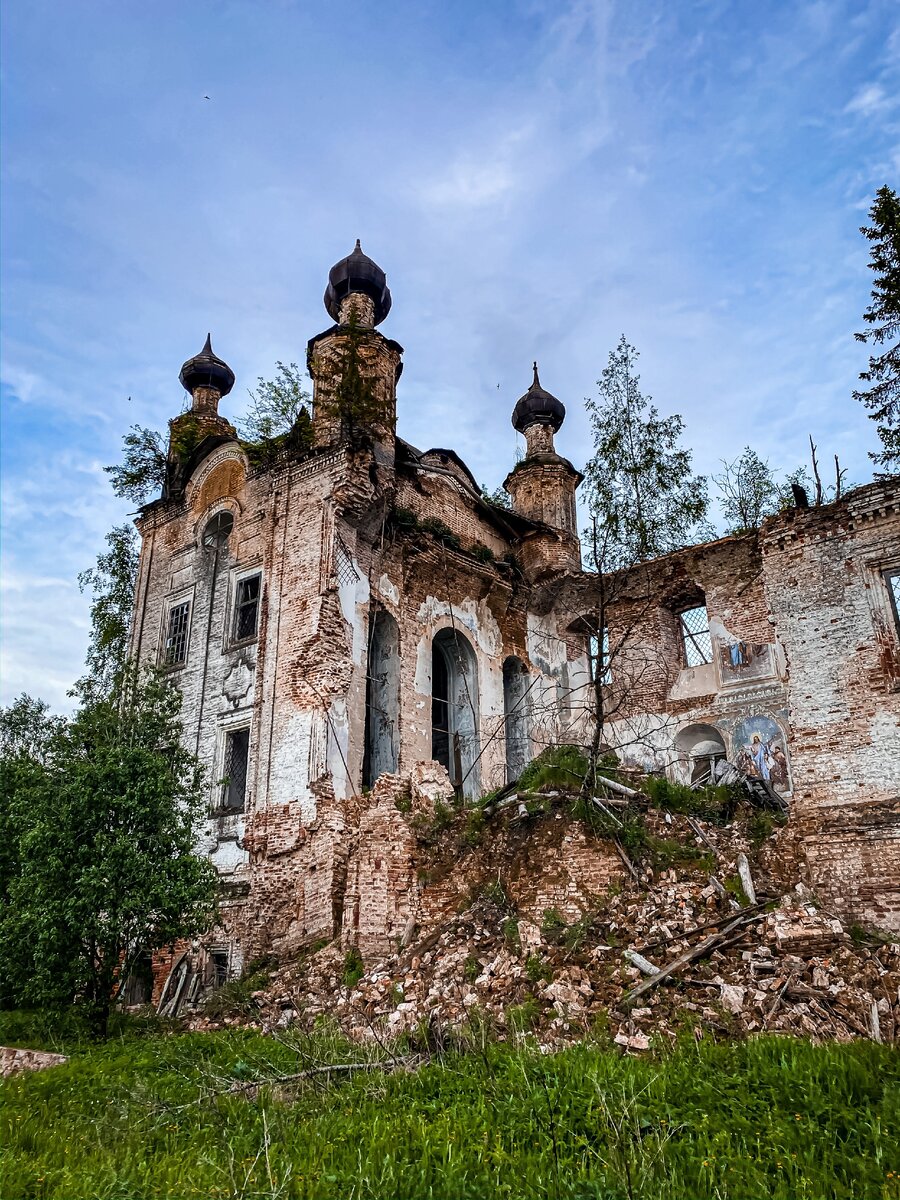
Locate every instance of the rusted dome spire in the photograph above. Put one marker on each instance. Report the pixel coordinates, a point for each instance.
(357, 273)
(206, 369)
(538, 407)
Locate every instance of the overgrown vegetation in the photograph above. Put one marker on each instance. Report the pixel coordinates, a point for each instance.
(148, 1116)
(235, 998)
(99, 832)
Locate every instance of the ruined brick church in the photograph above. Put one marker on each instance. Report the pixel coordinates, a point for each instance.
(357, 632)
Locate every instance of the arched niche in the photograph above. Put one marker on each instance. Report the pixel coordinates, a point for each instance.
(382, 747)
(515, 716)
(454, 710)
(699, 748)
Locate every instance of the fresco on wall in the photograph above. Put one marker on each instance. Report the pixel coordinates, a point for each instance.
(741, 662)
(759, 750)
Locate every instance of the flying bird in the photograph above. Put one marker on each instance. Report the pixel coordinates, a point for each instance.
(206, 97)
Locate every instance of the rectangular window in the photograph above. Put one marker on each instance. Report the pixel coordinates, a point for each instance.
(598, 652)
(695, 636)
(177, 634)
(234, 784)
(246, 607)
(892, 579)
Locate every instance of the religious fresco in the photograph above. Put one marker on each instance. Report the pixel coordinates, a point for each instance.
(759, 750)
(741, 662)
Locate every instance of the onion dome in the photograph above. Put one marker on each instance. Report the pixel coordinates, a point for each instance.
(207, 370)
(538, 407)
(357, 273)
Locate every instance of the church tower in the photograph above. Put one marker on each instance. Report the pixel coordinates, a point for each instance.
(542, 485)
(354, 368)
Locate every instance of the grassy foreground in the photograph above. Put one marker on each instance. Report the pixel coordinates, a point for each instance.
(152, 1117)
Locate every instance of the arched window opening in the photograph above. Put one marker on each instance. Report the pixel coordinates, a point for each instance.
(515, 715)
(454, 710)
(701, 749)
(382, 747)
(218, 530)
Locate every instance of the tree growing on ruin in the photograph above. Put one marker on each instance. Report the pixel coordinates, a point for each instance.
(141, 475)
(639, 487)
(275, 405)
(101, 816)
(643, 501)
(748, 492)
(882, 396)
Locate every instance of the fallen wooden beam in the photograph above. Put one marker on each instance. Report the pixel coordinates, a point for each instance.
(629, 865)
(644, 965)
(699, 951)
(615, 786)
(746, 878)
(607, 812)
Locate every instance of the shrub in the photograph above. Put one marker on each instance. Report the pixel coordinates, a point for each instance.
(235, 998)
(537, 970)
(553, 925)
(354, 967)
(510, 931)
(472, 968)
(562, 768)
(524, 1016)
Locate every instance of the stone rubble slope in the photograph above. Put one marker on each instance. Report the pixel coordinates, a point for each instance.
(791, 968)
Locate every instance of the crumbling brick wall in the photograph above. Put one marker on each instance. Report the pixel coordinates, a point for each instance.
(828, 598)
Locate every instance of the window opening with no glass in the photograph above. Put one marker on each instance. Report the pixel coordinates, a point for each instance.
(246, 614)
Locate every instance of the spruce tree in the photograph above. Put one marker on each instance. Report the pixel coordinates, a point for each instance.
(882, 397)
(641, 495)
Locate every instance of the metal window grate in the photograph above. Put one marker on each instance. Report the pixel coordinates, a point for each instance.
(247, 607)
(234, 785)
(346, 572)
(177, 636)
(695, 634)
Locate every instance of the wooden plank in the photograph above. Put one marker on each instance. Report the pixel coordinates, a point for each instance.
(698, 951)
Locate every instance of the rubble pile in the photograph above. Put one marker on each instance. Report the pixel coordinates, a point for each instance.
(684, 947)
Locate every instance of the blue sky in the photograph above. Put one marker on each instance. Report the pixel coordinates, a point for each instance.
(535, 178)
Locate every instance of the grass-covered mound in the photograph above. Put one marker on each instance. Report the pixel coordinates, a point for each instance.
(154, 1117)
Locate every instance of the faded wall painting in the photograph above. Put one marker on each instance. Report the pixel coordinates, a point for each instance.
(742, 662)
(759, 750)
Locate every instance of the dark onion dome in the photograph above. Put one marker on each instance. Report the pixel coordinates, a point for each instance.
(357, 273)
(538, 407)
(207, 370)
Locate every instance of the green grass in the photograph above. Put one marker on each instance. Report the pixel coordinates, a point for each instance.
(147, 1117)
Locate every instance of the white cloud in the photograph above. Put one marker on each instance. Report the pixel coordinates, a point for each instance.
(871, 100)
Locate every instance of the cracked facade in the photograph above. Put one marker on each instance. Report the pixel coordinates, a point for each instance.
(357, 632)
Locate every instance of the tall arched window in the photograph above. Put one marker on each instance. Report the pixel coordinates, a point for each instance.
(454, 710)
(515, 715)
(382, 748)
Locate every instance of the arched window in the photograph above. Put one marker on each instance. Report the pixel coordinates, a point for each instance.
(700, 748)
(218, 530)
(454, 710)
(382, 748)
(515, 715)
